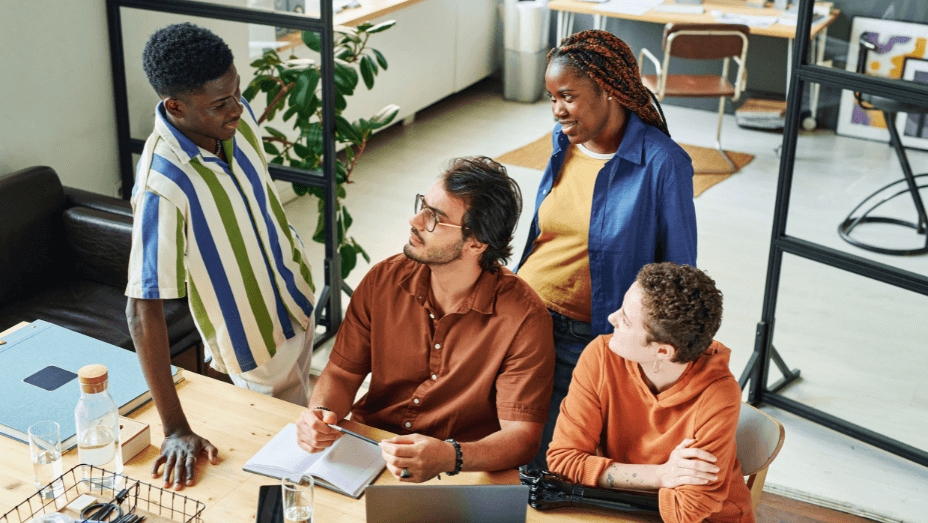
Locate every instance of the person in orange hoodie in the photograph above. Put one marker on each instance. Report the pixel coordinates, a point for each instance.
(654, 405)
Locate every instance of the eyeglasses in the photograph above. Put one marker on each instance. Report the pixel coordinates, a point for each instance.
(431, 219)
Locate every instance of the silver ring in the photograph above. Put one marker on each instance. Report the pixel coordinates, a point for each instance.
(405, 474)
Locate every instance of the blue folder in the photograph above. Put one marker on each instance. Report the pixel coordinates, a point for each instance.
(40, 344)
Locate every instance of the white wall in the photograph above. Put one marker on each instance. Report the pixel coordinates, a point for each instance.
(56, 102)
(56, 96)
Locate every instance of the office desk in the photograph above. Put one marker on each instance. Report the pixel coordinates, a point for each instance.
(239, 422)
(566, 9)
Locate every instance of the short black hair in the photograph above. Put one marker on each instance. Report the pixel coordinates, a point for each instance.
(494, 203)
(182, 57)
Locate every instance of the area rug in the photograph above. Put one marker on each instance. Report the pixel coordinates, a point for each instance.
(709, 167)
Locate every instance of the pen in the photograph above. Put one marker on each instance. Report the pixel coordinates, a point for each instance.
(348, 432)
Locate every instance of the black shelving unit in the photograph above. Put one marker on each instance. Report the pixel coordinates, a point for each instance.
(758, 368)
(328, 311)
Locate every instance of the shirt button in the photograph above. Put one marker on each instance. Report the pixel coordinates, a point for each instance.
(434, 377)
(416, 401)
(407, 424)
(431, 316)
(438, 345)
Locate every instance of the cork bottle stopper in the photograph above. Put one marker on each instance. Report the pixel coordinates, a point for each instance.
(93, 378)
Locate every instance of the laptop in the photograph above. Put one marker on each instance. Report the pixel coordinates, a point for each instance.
(448, 504)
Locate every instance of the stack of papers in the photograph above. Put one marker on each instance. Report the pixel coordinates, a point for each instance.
(628, 7)
(748, 20)
(762, 114)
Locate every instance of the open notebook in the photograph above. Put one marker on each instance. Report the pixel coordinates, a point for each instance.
(347, 466)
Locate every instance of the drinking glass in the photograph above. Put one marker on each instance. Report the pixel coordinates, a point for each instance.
(297, 491)
(45, 451)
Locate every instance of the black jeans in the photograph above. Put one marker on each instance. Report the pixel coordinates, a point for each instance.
(570, 338)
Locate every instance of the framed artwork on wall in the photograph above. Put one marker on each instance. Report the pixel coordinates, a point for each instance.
(913, 128)
(895, 42)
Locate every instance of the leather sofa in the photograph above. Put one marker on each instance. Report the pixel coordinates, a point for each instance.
(64, 258)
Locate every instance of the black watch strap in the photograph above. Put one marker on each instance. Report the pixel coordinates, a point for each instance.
(459, 457)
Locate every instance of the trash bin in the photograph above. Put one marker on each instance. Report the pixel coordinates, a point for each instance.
(525, 31)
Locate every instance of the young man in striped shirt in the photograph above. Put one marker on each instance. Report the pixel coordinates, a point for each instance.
(209, 225)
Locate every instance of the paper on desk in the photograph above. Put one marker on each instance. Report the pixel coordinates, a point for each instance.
(628, 7)
(526, 25)
(748, 20)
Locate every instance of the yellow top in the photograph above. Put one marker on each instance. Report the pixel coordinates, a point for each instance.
(559, 266)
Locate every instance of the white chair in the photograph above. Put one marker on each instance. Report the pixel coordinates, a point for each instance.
(759, 439)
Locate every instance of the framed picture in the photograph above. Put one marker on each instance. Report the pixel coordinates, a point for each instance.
(913, 128)
(895, 41)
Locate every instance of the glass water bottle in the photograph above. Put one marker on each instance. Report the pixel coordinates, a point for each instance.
(97, 419)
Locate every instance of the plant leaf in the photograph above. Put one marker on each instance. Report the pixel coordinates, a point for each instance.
(349, 256)
(305, 91)
(367, 71)
(364, 27)
(382, 26)
(380, 59)
(301, 150)
(300, 189)
(347, 218)
(361, 250)
(384, 116)
(340, 102)
(290, 112)
(346, 130)
(275, 132)
(249, 93)
(312, 40)
(319, 235)
(348, 74)
(271, 149)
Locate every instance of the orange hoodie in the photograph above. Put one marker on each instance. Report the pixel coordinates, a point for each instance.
(610, 406)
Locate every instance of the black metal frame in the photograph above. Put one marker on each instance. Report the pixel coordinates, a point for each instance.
(329, 302)
(757, 370)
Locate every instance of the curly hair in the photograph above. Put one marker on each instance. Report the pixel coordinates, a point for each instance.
(608, 61)
(684, 308)
(182, 57)
(493, 201)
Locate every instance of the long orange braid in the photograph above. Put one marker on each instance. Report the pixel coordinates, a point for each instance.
(609, 62)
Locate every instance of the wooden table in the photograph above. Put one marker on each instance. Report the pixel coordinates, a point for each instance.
(239, 422)
(566, 9)
(369, 10)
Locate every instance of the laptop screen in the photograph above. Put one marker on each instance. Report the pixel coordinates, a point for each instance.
(448, 504)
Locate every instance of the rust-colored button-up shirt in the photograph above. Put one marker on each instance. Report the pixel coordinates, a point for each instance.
(447, 377)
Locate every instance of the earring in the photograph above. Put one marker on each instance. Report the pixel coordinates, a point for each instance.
(610, 98)
(657, 366)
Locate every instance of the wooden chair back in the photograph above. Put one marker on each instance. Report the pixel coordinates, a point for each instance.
(759, 440)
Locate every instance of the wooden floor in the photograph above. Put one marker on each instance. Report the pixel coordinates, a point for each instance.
(777, 509)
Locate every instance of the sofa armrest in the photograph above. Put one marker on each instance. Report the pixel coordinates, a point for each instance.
(77, 197)
(100, 243)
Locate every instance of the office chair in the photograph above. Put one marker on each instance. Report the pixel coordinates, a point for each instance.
(759, 440)
(890, 108)
(700, 42)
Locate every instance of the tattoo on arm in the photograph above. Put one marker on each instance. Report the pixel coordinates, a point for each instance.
(610, 481)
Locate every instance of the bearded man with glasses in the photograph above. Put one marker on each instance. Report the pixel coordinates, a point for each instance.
(459, 349)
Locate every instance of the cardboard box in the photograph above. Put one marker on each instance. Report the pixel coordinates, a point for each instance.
(135, 437)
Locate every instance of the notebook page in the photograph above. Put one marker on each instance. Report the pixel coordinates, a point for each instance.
(282, 456)
(350, 464)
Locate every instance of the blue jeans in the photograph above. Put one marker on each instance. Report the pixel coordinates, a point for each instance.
(570, 338)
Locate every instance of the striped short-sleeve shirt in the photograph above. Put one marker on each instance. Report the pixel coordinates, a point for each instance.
(216, 232)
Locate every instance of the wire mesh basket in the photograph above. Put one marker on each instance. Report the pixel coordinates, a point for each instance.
(156, 504)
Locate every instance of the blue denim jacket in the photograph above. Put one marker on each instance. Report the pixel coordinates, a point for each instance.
(642, 212)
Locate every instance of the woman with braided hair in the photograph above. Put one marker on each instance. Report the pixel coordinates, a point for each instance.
(617, 194)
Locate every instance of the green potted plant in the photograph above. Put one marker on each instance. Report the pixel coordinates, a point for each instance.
(293, 92)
